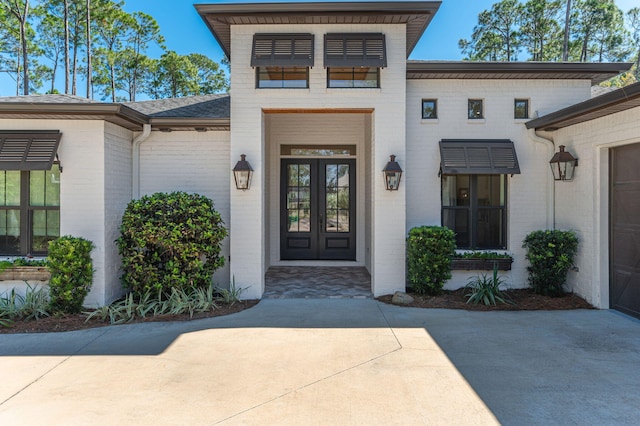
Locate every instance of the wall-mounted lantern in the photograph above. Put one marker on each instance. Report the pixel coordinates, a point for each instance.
(242, 173)
(392, 174)
(563, 165)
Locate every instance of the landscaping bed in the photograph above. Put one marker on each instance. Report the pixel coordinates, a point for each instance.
(79, 321)
(523, 300)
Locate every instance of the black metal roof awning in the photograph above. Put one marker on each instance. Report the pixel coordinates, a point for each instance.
(282, 50)
(478, 156)
(28, 150)
(355, 50)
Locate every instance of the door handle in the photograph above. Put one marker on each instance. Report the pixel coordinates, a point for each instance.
(321, 217)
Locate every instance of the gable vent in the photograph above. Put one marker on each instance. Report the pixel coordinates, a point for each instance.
(282, 50)
(355, 50)
(28, 150)
(478, 157)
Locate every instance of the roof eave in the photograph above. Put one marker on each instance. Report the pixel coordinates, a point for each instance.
(190, 123)
(602, 105)
(224, 11)
(116, 113)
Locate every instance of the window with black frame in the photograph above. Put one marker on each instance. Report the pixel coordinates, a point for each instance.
(475, 208)
(282, 61)
(29, 210)
(354, 60)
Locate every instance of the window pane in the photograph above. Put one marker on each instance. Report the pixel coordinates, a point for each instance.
(368, 77)
(429, 108)
(490, 229)
(292, 220)
(491, 190)
(36, 187)
(521, 108)
(282, 77)
(331, 221)
(45, 228)
(343, 220)
(52, 186)
(10, 188)
(10, 231)
(458, 221)
(475, 108)
(455, 190)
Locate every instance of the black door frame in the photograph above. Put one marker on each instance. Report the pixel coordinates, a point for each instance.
(317, 244)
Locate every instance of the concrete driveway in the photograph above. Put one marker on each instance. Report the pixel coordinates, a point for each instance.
(308, 362)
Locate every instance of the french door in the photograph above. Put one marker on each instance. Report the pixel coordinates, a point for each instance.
(317, 209)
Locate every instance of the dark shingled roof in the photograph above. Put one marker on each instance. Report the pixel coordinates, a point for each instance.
(47, 99)
(205, 106)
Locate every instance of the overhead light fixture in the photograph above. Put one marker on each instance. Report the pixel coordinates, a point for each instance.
(563, 165)
(242, 173)
(392, 174)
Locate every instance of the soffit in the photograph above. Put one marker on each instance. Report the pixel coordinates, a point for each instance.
(220, 17)
(442, 70)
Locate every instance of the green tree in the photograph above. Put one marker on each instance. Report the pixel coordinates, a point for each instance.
(175, 75)
(18, 11)
(135, 63)
(497, 36)
(540, 31)
(596, 30)
(112, 28)
(633, 17)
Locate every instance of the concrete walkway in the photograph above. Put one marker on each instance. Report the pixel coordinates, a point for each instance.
(331, 362)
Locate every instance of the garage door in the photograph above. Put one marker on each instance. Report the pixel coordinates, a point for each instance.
(625, 229)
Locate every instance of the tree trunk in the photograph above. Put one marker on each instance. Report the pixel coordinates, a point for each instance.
(565, 46)
(25, 56)
(89, 70)
(66, 46)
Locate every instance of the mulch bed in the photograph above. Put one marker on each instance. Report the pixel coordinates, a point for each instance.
(79, 322)
(523, 300)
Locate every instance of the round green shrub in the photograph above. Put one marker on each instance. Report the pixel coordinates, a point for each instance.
(71, 267)
(429, 253)
(170, 240)
(550, 254)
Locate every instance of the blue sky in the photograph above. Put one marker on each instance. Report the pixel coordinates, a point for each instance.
(185, 32)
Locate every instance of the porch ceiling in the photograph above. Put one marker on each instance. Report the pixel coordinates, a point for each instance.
(220, 17)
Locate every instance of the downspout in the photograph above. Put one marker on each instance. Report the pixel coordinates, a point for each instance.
(551, 192)
(135, 167)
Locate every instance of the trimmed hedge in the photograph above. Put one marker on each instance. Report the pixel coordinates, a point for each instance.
(429, 253)
(550, 254)
(71, 267)
(170, 240)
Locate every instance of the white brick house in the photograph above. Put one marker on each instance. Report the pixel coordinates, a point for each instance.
(322, 95)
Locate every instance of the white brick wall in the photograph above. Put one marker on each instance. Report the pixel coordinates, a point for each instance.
(196, 162)
(117, 194)
(527, 192)
(249, 227)
(82, 210)
(583, 204)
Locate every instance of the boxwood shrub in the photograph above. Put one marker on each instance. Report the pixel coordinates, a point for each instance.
(69, 261)
(429, 253)
(170, 240)
(550, 254)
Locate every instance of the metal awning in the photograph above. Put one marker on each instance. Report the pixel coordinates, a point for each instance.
(355, 50)
(28, 150)
(478, 156)
(282, 50)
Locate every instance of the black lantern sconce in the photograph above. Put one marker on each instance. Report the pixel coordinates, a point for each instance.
(563, 165)
(392, 174)
(242, 173)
